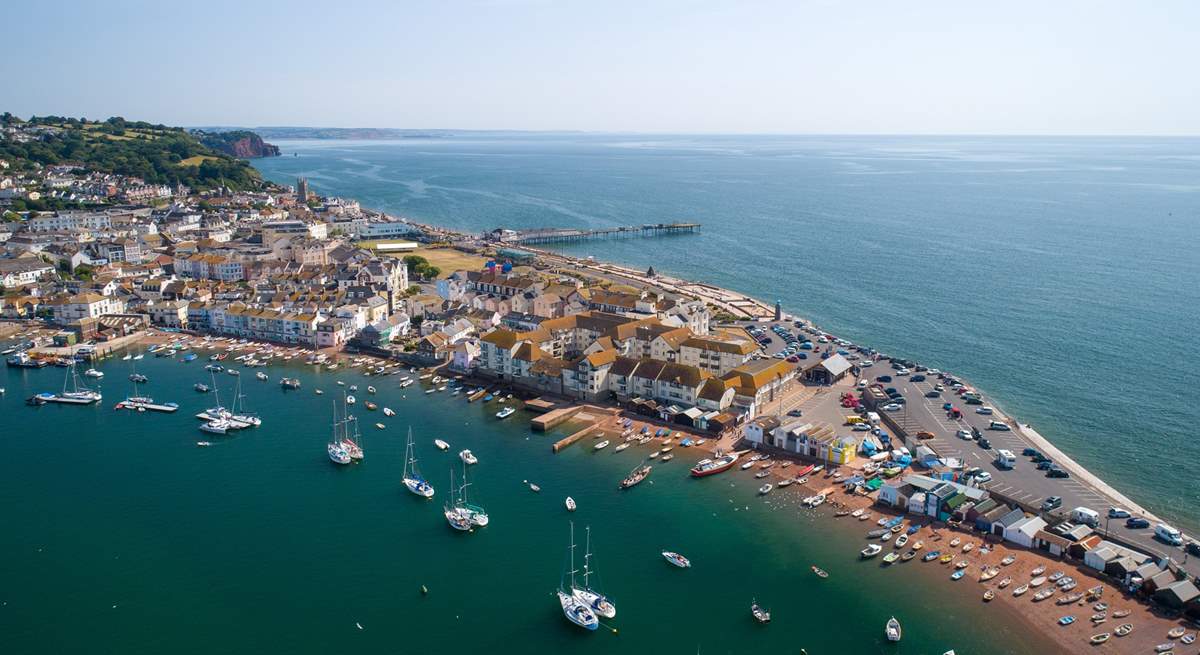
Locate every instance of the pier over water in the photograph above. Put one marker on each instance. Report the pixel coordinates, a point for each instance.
(553, 235)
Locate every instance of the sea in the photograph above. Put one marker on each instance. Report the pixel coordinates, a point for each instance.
(1060, 275)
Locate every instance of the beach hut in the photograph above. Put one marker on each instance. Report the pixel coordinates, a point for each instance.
(1177, 594)
(1001, 523)
(1022, 532)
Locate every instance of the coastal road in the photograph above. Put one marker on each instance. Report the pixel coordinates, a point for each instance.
(1024, 482)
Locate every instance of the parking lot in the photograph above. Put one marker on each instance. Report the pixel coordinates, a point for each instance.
(1024, 482)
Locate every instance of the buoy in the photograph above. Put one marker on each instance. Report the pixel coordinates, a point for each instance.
(424, 590)
(358, 624)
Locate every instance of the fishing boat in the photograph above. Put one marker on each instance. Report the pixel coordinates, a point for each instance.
(1020, 590)
(570, 503)
(988, 595)
(468, 457)
(677, 559)
(601, 446)
(587, 594)
(931, 555)
(1099, 638)
(707, 467)
(1176, 633)
(870, 551)
(892, 630)
(635, 477)
(820, 572)
(957, 575)
(413, 480)
(576, 611)
(1066, 620)
(442, 445)
(761, 615)
(507, 412)
(765, 489)
(1123, 629)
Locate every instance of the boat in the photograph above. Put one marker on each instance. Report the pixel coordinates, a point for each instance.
(442, 445)
(588, 595)
(371, 390)
(1067, 600)
(621, 446)
(1123, 629)
(1066, 620)
(1056, 576)
(534, 488)
(870, 551)
(786, 482)
(570, 503)
(476, 514)
(1120, 614)
(1038, 571)
(988, 595)
(1165, 648)
(958, 575)
(635, 477)
(988, 574)
(411, 476)
(218, 426)
(456, 515)
(1099, 638)
(138, 378)
(654, 454)
(1189, 638)
(967, 548)
(908, 555)
(707, 467)
(761, 615)
(932, 555)
(955, 542)
(203, 444)
(1038, 581)
(601, 446)
(73, 392)
(381, 426)
(336, 451)
(202, 388)
(507, 412)
(892, 630)
(820, 572)
(1044, 594)
(576, 611)
(901, 541)
(350, 400)
(1020, 590)
(677, 559)
(387, 411)
(946, 559)
(765, 489)
(371, 406)
(468, 457)
(1008, 560)
(261, 376)
(233, 371)
(1176, 633)
(93, 373)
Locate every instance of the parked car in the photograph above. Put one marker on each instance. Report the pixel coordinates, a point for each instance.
(986, 410)
(1039, 458)
(1045, 465)
(795, 412)
(1135, 523)
(1056, 472)
(1192, 547)
(932, 394)
(1167, 534)
(861, 427)
(917, 378)
(964, 434)
(1118, 513)
(983, 476)
(893, 407)
(997, 425)
(984, 443)
(1029, 452)
(1053, 502)
(884, 378)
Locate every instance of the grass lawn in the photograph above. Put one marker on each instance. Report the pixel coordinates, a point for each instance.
(446, 259)
(194, 161)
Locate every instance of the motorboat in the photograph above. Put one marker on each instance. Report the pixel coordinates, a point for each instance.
(387, 411)
(677, 559)
(442, 445)
(570, 503)
(761, 615)
(468, 457)
(621, 446)
(870, 551)
(601, 446)
(93, 373)
(261, 376)
(507, 412)
(350, 400)
(219, 426)
(765, 489)
(892, 629)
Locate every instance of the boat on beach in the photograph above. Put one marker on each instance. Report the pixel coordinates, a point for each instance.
(720, 464)
(870, 551)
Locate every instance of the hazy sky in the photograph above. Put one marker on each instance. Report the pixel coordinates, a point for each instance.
(858, 66)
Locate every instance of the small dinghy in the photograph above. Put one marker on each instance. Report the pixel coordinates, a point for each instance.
(892, 630)
(761, 615)
(570, 503)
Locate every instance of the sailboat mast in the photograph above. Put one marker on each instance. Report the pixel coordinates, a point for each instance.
(587, 557)
(572, 554)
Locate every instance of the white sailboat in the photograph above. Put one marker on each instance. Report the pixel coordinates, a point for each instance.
(413, 479)
(238, 411)
(575, 610)
(337, 453)
(596, 601)
(73, 393)
(456, 515)
(477, 514)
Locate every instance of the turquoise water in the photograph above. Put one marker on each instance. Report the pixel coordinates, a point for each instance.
(1059, 274)
(121, 536)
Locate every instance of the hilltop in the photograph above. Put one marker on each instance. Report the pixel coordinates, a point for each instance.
(157, 154)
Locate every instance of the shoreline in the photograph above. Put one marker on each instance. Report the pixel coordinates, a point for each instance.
(1150, 628)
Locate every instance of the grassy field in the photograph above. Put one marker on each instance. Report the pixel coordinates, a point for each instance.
(194, 161)
(446, 259)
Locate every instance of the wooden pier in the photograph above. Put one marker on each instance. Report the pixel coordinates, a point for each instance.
(556, 235)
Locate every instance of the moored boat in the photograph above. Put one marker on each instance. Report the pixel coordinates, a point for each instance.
(892, 630)
(677, 559)
(759, 613)
(635, 477)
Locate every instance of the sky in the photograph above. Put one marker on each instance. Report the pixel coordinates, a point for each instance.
(797, 67)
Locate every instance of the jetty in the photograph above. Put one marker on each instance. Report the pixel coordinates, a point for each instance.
(556, 235)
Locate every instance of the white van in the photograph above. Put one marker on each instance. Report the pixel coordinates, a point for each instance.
(1168, 534)
(1085, 516)
(1005, 459)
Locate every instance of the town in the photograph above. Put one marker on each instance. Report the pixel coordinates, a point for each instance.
(289, 266)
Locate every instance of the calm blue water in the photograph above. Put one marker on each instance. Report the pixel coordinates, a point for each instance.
(1060, 274)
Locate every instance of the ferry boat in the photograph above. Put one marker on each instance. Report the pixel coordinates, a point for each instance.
(412, 477)
(505, 413)
(635, 477)
(706, 467)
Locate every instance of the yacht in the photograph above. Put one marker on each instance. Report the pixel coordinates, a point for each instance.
(506, 412)
(596, 601)
(412, 477)
(456, 515)
(73, 393)
(677, 559)
(576, 611)
(337, 452)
